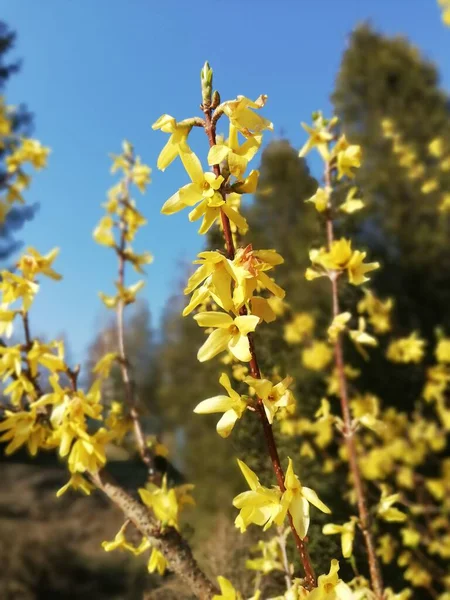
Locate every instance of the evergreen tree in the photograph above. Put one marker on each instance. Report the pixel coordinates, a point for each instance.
(22, 123)
(383, 78)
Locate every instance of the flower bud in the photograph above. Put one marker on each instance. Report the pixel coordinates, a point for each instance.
(206, 77)
(215, 99)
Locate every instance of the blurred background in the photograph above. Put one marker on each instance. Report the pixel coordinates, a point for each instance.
(87, 76)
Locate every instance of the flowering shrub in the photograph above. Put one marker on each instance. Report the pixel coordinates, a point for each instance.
(232, 292)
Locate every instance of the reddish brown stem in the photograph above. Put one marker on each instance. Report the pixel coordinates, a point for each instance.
(301, 545)
(348, 430)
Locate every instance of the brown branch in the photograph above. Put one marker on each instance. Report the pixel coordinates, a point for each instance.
(125, 367)
(174, 547)
(348, 430)
(301, 545)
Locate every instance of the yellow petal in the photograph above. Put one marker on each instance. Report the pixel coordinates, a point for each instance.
(217, 154)
(239, 346)
(250, 477)
(226, 423)
(213, 405)
(213, 319)
(191, 163)
(314, 499)
(216, 343)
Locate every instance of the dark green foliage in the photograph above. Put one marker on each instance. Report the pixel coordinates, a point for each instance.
(22, 124)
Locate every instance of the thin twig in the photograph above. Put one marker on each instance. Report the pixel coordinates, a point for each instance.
(169, 541)
(348, 430)
(125, 367)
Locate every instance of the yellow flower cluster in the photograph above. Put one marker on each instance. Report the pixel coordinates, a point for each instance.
(339, 258)
(428, 175)
(21, 152)
(123, 217)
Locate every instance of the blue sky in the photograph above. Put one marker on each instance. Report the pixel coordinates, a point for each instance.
(98, 71)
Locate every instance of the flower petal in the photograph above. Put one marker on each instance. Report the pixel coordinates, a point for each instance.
(212, 318)
(239, 346)
(213, 405)
(314, 499)
(246, 323)
(215, 344)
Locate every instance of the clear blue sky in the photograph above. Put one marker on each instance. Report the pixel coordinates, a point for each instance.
(98, 71)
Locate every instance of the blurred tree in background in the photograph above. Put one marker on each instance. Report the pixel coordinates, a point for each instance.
(22, 123)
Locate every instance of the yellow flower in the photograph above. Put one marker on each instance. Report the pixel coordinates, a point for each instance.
(442, 351)
(6, 321)
(379, 312)
(120, 543)
(229, 333)
(406, 350)
(77, 482)
(347, 160)
(23, 427)
(227, 591)
(164, 502)
(31, 151)
(347, 532)
(361, 338)
(297, 498)
(351, 203)
(232, 406)
(411, 537)
(357, 269)
(261, 308)
(319, 137)
(317, 356)
(157, 562)
(14, 287)
(273, 396)
(18, 387)
(385, 509)
(249, 185)
(103, 233)
(320, 199)
(429, 186)
(270, 559)
(140, 175)
(386, 548)
(340, 257)
(444, 206)
(249, 268)
(104, 365)
(42, 354)
(178, 138)
(330, 587)
(32, 264)
(237, 156)
(138, 260)
(436, 147)
(204, 190)
(243, 118)
(88, 452)
(338, 325)
(125, 295)
(261, 506)
(301, 326)
(215, 274)
(11, 361)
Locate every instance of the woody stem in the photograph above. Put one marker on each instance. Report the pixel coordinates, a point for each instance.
(310, 578)
(348, 430)
(125, 367)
